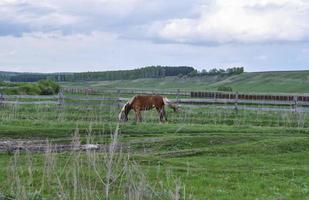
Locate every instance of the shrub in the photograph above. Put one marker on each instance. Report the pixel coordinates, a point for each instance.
(47, 91)
(31, 89)
(44, 87)
(193, 73)
(48, 87)
(10, 91)
(225, 89)
(7, 84)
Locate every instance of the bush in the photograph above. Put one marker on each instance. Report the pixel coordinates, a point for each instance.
(7, 84)
(179, 75)
(44, 87)
(10, 91)
(48, 87)
(193, 73)
(31, 89)
(47, 91)
(225, 89)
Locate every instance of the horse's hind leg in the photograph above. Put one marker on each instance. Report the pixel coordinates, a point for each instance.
(161, 114)
(164, 114)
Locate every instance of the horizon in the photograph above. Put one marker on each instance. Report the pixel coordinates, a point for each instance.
(64, 72)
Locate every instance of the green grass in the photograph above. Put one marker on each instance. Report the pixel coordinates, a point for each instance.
(232, 164)
(209, 153)
(274, 82)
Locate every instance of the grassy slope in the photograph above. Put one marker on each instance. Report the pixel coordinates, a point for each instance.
(292, 82)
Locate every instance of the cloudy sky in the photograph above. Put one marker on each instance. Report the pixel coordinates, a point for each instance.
(93, 35)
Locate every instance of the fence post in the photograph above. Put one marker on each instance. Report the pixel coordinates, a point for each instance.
(60, 98)
(1, 99)
(177, 95)
(236, 101)
(118, 98)
(295, 99)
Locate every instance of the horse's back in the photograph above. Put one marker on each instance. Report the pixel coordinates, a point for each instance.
(147, 102)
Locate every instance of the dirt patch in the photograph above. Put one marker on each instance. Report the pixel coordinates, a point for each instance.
(42, 146)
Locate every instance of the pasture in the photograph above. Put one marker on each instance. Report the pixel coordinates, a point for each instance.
(203, 152)
(262, 82)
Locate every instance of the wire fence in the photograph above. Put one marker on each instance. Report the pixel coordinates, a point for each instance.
(224, 100)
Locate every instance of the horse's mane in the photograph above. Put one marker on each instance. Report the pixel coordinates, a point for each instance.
(170, 104)
(128, 103)
(131, 100)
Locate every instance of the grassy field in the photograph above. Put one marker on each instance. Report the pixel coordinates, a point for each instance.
(278, 82)
(202, 153)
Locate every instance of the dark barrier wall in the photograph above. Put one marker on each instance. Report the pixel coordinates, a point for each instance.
(220, 95)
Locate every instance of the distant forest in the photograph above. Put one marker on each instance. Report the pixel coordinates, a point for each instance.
(145, 72)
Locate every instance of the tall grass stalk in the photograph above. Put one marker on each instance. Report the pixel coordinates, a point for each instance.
(111, 173)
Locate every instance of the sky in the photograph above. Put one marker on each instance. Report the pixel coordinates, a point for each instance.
(99, 35)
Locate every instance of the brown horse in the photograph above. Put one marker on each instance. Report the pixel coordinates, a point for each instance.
(141, 103)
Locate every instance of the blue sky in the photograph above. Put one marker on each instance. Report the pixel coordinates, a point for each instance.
(98, 35)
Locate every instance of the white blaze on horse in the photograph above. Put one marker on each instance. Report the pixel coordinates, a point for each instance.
(142, 103)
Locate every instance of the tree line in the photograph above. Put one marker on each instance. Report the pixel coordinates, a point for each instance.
(215, 72)
(5, 76)
(145, 72)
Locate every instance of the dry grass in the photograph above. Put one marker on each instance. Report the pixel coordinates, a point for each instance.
(89, 174)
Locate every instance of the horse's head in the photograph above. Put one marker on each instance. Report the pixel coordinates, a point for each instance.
(175, 107)
(123, 115)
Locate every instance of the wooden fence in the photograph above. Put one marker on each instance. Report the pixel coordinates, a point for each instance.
(243, 96)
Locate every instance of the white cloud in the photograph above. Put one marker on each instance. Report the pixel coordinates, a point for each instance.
(81, 35)
(35, 15)
(261, 57)
(239, 21)
(7, 53)
(94, 7)
(65, 16)
(181, 21)
(305, 51)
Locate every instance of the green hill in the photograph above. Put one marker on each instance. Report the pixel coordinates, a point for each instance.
(279, 82)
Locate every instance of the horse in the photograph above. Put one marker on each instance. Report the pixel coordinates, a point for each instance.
(141, 103)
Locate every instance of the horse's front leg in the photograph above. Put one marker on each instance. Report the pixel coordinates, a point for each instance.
(138, 116)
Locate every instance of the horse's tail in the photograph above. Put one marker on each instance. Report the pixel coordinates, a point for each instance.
(170, 104)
